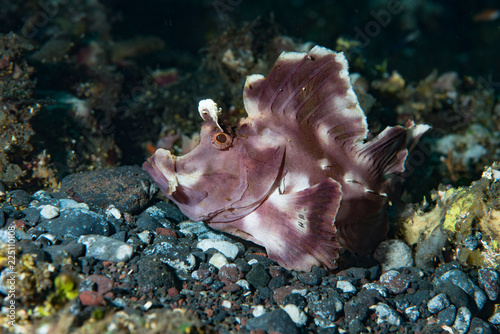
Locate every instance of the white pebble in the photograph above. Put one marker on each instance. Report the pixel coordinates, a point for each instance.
(297, 315)
(218, 260)
(258, 310)
(382, 290)
(113, 211)
(228, 249)
(145, 237)
(49, 211)
(346, 287)
(226, 304)
(106, 248)
(244, 284)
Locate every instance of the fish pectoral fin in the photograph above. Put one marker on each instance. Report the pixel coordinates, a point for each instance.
(297, 229)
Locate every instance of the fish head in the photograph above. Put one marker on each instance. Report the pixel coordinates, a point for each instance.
(215, 181)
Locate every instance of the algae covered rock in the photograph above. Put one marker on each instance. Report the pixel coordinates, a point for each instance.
(465, 222)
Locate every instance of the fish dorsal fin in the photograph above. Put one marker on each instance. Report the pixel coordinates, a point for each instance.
(310, 90)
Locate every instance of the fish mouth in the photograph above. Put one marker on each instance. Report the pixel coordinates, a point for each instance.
(162, 175)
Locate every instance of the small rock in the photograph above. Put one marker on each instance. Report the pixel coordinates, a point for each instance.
(147, 223)
(226, 304)
(280, 322)
(244, 284)
(480, 297)
(479, 326)
(19, 199)
(201, 274)
(495, 319)
(393, 254)
(385, 314)
(295, 299)
(49, 211)
(106, 249)
(309, 278)
(488, 280)
(230, 273)
(74, 249)
(394, 281)
(129, 188)
(258, 276)
(113, 211)
(382, 290)
(357, 327)
(326, 309)
(66, 203)
(228, 249)
(258, 310)
(346, 287)
(297, 315)
(447, 316)
(218, 260)
(178, 257)
(412, 313)
(91, 298)
(462, 320)
(438, 303)
(32, 216)
(104, 284)
(42, 195)
(145, 236)
(154, 274)
(76, 222)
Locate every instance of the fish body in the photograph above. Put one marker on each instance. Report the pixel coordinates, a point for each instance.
(297, 175)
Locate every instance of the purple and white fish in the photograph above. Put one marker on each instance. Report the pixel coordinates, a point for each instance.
(297, 175)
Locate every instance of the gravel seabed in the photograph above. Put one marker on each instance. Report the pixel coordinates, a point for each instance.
(155, 259)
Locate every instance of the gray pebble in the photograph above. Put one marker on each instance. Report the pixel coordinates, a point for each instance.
(495, 319)
(346, 286)
(462, 320)
(412, 313)
(479, 326)
(393, 254)
(178, 257)
(438, 303)
(385, 314)
(488, 280)
(106, 248)
(76, 222)
(447, 316)
(394, 281)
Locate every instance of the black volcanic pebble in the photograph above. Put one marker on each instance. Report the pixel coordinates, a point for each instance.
(309, 278)
(479, 326)
(447, 316)
(153, 274)
(147, 223)
(295, 299)
(276, 282)
(77, 222)
(258, 276)
(32, 215)
(19, 198)
(129, 188)
(275, 321)
(356, 327)
(280, 322)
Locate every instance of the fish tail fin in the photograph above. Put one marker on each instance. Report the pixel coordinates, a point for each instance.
(385, 154)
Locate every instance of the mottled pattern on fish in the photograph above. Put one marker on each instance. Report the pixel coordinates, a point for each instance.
(297, 175)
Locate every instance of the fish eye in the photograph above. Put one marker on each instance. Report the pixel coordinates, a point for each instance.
(221, 140)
